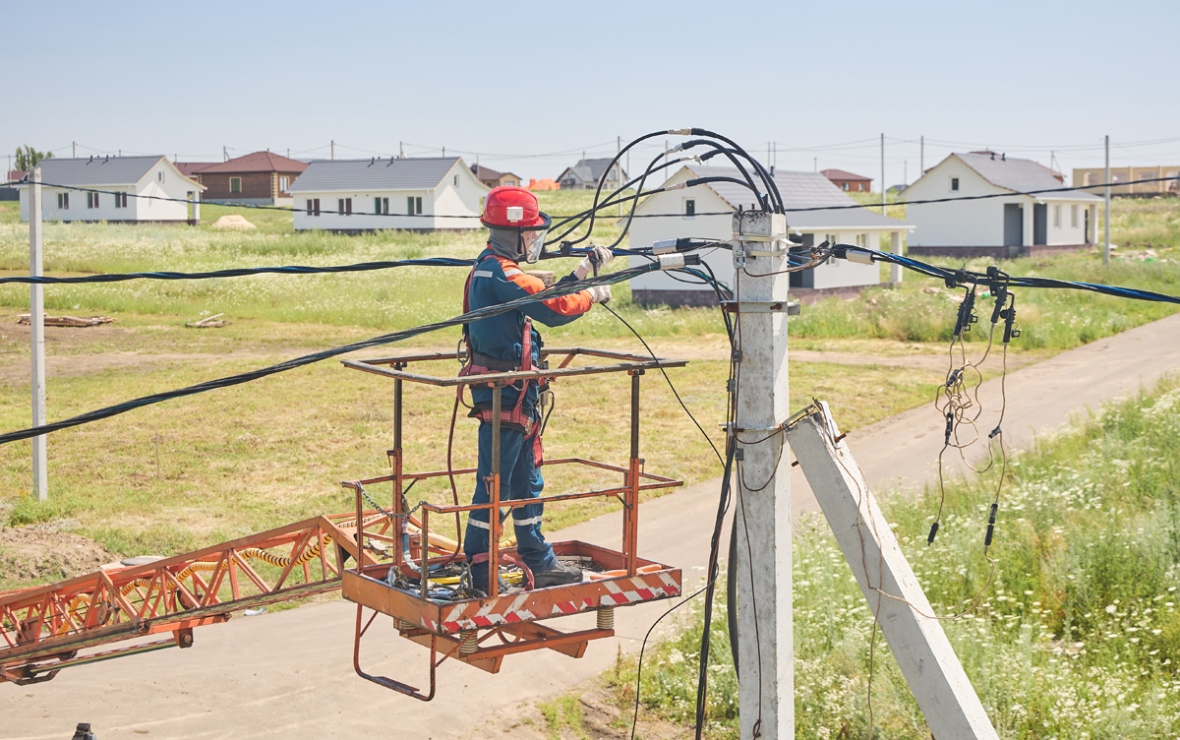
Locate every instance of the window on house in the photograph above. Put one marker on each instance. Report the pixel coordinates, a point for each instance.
(313, 206)
(833, 239)
(1073, 216)
(344, 206)
(690, 207)
(63, 201)
(954, 184)
(235, 184)
(283, 183)
(414, 206)
(862, 240)
(120, 200)
(1057, 217)
(455, 180)
(160, 176)
(381, 206)
(844, 186)
(92, 200)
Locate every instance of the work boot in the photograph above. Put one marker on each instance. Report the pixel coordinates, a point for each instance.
(479, 580)
(560, 574)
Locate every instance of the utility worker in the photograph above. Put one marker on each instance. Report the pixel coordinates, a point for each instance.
(509, 342)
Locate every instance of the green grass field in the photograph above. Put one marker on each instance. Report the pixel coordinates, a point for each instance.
(243, 459)
(1078, 637)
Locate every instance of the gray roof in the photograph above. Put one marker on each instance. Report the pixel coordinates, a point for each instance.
(1017, 175)
(97, 170)
(590, 170)
(419, 173)
(801, 190)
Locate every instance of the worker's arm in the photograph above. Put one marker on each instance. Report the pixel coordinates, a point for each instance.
(551, 311)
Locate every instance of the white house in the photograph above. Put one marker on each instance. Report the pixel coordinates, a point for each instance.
(422, 194)
(1008, 225)
(120, 179)
(706, 211)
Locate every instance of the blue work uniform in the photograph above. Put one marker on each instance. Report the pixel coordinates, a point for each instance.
(496, 279)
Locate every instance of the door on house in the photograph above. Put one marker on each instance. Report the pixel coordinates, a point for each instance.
(1013, 225)
(1040, 223)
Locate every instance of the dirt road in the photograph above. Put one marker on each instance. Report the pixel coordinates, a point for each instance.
(289, 674)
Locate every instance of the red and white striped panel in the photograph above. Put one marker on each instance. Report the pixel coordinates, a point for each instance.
(640, 588)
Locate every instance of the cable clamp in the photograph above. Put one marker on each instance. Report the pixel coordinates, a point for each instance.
(672, 261)
(664, 246)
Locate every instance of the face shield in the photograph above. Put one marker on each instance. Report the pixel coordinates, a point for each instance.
(532, 239)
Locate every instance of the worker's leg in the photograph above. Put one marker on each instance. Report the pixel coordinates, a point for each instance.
(475, 541)
(527, 482)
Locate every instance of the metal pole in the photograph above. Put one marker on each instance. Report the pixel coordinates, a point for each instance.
(1106, 212)
(766, 651)
(882, 174)
(37, 336)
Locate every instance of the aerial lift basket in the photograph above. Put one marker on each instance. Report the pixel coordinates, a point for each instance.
(481, 631)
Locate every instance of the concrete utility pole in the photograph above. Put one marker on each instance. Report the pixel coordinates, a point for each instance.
(401, 150)
(74, 149)
(224, 153)
(1106, 211)
(766, 664)
(882, 174)
(333, 145)
(37, 335)
(924, 655)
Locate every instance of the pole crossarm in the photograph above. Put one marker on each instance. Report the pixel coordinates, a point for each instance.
(925, 656)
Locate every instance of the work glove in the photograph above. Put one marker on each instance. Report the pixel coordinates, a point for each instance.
(599, 293)
(598, 258)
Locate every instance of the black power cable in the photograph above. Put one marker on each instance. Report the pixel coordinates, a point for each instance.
(559, 289)
(240, 272)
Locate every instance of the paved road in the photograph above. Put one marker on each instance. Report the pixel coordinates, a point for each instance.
(289, 674)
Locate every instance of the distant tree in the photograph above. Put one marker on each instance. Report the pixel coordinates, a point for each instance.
(27, 157)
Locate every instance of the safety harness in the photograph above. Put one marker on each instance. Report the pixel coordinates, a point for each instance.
(481, 364)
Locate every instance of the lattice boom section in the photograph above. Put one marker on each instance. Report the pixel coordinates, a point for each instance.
(121, 603)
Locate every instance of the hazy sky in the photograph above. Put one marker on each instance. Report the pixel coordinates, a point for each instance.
(529, 86)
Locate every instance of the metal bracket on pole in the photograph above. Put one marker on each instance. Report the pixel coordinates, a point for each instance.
(790, 307)
(925, 656)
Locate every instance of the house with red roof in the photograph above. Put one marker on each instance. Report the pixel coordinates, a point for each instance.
(849, 182)
(258, 178)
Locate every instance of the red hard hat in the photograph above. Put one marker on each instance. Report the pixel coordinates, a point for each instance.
(512, 208)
